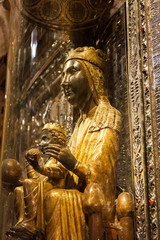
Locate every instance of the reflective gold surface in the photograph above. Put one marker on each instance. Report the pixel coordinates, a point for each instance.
(124, 205)
(93, 153)
(91, 159)
(29, 91)
(125, 211)
(66, 184)
(11, 171)
(44, 174)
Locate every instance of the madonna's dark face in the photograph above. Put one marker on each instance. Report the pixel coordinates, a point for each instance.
(75, 83)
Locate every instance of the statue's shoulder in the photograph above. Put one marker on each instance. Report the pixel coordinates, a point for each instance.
(105, 116)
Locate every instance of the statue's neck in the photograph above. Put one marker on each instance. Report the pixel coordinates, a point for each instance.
(87, 106)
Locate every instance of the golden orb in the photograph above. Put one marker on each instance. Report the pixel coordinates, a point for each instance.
(11, 171)
(124, 205)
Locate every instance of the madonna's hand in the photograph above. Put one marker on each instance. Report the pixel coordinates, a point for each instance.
(63, 155)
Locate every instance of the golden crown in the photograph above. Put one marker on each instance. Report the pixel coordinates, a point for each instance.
(89, 54)
(56, 127)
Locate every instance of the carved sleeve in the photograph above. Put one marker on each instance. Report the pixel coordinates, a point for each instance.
(52, 169)
(101, 158)
(31, 172)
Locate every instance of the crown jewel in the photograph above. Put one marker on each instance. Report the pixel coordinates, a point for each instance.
(58, 133)
(56, 127)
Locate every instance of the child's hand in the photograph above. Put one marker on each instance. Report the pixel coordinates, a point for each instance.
(33, 156)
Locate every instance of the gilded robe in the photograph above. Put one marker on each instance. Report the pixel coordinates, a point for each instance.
(94, 143)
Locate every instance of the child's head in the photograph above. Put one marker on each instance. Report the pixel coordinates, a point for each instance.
(53, 133)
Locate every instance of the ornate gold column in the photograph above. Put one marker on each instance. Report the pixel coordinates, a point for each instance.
(142, 122)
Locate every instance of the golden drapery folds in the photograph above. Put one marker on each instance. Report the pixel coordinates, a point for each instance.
(89, 186)
(96, 150)
(44, 173)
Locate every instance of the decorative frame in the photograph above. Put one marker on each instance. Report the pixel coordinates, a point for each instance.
(140, 17)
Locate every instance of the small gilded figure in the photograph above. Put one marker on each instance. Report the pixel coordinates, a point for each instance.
(44, 173)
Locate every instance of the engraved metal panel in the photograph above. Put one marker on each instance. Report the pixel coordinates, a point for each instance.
(149, 131)
(142, 121)
(137, 122)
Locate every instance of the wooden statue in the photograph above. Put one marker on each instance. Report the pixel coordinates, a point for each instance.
(92, 152)
(90, 158)
(44, 174)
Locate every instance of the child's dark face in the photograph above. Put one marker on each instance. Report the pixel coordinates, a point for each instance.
(46, 139)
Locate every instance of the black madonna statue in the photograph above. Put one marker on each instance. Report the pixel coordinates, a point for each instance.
(92, 152)
(89, 159)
